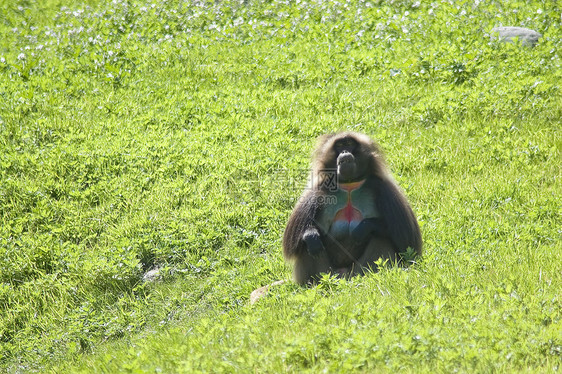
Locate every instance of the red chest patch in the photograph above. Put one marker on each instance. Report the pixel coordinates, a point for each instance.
(349, 213)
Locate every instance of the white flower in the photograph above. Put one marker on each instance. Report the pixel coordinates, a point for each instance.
(21, 56)
(238, 21)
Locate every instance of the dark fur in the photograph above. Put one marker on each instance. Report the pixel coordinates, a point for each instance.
(396, 228)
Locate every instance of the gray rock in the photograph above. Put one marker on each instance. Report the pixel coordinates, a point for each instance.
(152, 275)
(509, 34)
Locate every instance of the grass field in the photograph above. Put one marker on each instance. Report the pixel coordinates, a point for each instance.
(177, 135)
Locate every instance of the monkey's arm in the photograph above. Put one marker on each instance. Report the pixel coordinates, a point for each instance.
(402, 225)
(301, 233)
(311, 238)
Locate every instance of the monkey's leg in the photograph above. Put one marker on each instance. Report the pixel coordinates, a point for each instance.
(306, 267)
(377, 248)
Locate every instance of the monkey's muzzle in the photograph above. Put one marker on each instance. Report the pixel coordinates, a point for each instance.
(346, 166)
(345, 158)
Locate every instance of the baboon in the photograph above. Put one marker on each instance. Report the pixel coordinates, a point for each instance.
(352, 214)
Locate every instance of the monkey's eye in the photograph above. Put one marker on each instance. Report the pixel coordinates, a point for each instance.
(346, 144)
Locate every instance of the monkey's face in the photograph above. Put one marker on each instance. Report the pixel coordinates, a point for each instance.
(351, 155)
(351, 162)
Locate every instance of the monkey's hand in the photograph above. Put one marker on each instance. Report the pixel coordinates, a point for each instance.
(369, 227)
(314, 245)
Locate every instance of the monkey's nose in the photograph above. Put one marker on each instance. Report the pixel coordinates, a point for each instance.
(345, 157)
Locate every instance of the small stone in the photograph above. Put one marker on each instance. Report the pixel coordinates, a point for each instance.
(258, 294)
(151, 275)
(262, 291)
(510, 33)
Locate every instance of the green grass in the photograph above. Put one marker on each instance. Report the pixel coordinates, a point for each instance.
(177, 136)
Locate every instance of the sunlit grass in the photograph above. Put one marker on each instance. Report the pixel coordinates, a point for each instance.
(176, 136)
